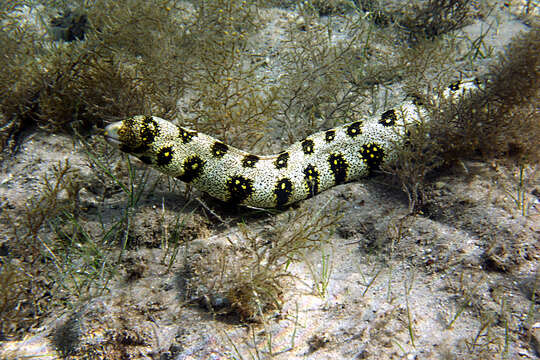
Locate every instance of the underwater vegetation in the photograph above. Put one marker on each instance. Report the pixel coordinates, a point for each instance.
(487, 124)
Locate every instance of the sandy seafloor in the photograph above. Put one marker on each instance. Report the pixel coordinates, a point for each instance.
(472, 262)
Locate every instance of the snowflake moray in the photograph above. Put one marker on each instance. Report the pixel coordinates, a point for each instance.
(308, 167)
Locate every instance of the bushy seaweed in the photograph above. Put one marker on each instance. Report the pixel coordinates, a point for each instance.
(418, 21)
(29, 259)
(435, 17)
(136, 57)
(330, 7)
(500, 120)
(247, 277)
(228, 97)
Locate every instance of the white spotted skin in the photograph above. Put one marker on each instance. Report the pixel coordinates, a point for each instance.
(159, 143)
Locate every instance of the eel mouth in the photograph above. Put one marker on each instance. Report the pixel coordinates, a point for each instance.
(111, 133)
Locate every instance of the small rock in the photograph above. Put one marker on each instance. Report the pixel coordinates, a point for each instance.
(70, 26)
(535, 339)
(439, 185)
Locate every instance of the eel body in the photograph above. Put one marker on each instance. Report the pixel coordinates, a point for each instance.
(308, 167)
